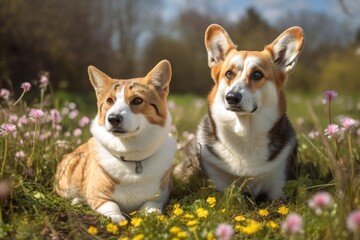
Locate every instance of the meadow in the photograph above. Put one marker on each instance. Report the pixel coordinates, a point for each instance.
(38, 127)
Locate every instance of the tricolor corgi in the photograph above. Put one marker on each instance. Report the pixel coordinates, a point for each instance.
(127, 163)
(246, 133)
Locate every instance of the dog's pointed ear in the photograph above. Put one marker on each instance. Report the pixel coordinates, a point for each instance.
(286, 48)
(98, 79)
(217, 43)
(160, 76)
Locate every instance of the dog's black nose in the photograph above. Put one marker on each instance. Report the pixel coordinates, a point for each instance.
(115, 119)
(233, 98)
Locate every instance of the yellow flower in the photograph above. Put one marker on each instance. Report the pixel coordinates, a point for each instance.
(112, 228)
(177, 205)
(283, 210)
(202, 213)
(123, 223)
(211, 201)
(136, 222)
(240, 218)
(210, 236)
(263, 212)
(192, 223)
(139, 237)
(251, 227)
(189, 216)
(182, 234)
(193, 229)
(92, 230)
(124, 238)
(272, 224)
(223, 210)
(175, 238)
(210, 180)
(178, 211)
(174, 230)
(161, 217)
(132, 213)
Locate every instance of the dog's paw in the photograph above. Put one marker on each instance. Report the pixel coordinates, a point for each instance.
(75, 201)
(116, 218)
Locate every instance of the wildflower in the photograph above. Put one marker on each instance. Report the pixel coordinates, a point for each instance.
(202, 213)
(348, 122)
(84, 121)
(263, 212)
(26, 86)
(240, 218)
(353, 221)
(72, 106)
(36, 114)
(44, 81)
(4, 93)
(77, 132)
(211, 201)
(174, 230)
(161, 218)
(178, 211)
(189, 216)
(223, 210)
(136, 222)
(192, 223)
(182, 234)
(328, 96)
(224, 231)
(139, 237)
(55, 116)
(92, 230)
(313, 134)
(210, 236)
(7, 128)
(13, 118)
(19, 154)
(283, 210)
(123, 223)
(293, 224)
(331, 130)
(320, 201)
(73, 114)
(5, 189)
(251, 227)
(112, 228)
(124, 238)
(132, 213)
(272, 224)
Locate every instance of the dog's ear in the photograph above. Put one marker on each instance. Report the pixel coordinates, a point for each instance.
(286, 48)
(98, 79)
(218, 44)
(160, 76)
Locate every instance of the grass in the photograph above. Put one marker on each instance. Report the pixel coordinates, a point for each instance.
(29, 208)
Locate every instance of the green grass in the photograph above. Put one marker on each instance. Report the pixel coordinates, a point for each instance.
(31, 210)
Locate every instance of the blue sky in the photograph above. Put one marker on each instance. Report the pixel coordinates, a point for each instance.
(271, 10)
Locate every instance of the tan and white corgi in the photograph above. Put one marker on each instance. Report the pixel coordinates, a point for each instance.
(127, 163)
(246, 133)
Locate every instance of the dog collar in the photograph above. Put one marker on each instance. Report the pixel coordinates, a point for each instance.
(138, 166)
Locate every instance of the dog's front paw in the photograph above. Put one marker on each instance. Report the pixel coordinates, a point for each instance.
(151, 207)
(116, 218)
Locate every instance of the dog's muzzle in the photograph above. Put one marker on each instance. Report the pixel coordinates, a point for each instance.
(233, 102)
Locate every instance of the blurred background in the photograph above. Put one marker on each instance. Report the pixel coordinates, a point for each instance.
(126, 38)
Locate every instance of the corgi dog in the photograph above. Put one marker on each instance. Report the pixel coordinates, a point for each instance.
(127, 163)
(246, 134)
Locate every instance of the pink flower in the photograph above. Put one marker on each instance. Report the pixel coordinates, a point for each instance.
(313, 134)
(26, 86)
(36, 114)
(4, 93)
(353, 221)
(22, 121)
(348, 122)
(77, 132)
(13, 118)
(320, 201)
(44, 81)
(7, 128)
(84, 121)
(331, 130)
(73, 114)
(19, 154)
(293, 224)
(328, 96)
(55, 116)
(224, 231)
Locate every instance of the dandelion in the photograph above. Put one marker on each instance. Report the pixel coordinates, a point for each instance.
(293, 224)
(174, 230)
(329, 96)
(136, 222)
(224, 231)
(251, 227)
(123, 223)
(139, 237)
(177, 211)
(4, 93)
(272, 225)
(36, 114)
(211, 201)
(112, 228)
(84, 121)
(182, 234)
(92, 230)
(192, 223)
(202, 213)
(353, 221)
(7, 129)
(210, 236)
(320, 201)
(348, 123)
(240, 218)
(283, 210)
(189, 216)
(263, 212)
(161, 218)
(331, 130)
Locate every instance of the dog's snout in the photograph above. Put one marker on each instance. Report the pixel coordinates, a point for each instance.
(233, 98)
(115, 119)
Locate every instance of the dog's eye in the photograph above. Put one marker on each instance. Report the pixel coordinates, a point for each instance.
(110, 101)
(137, 101)
(230, 74)
(256, 75)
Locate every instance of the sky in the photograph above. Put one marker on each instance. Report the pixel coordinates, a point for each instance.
(271, 10)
